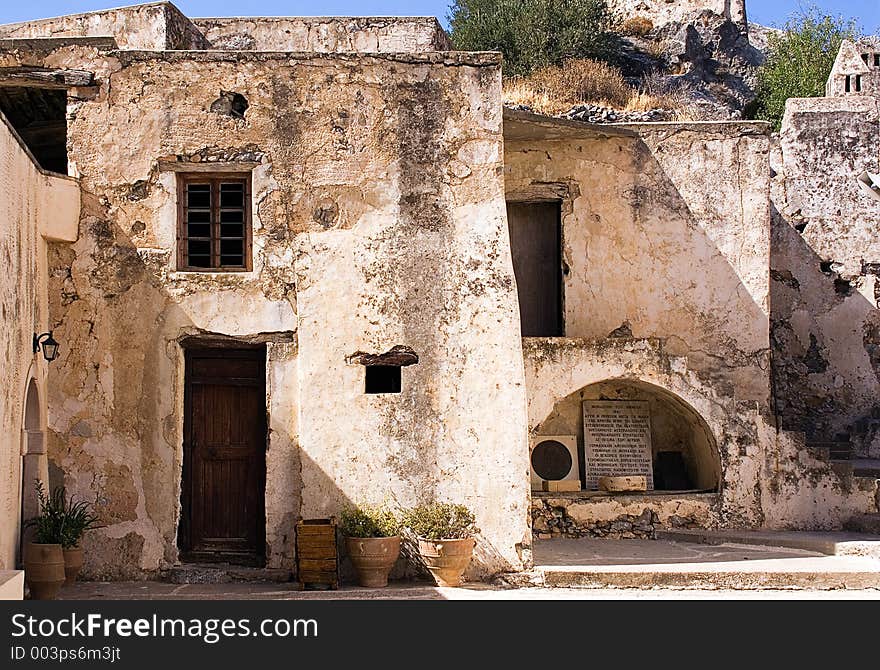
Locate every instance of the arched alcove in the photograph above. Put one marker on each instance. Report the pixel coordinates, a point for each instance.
(679, 435)
(32, 407)
(33, 456)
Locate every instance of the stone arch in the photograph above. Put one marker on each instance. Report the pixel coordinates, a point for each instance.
(32, 409)
(676, 427)
(34, 464)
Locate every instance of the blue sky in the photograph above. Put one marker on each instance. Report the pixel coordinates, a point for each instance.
(768, 12)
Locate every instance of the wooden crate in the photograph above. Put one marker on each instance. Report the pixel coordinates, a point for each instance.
(317, 557)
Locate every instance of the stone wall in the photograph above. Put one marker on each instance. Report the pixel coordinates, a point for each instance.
(622, 517)
(666, 247)
(36, 206)
(378, 221)
(661, 12)
(824, 265)
(158, 25)
(326, 34)
(665, 234)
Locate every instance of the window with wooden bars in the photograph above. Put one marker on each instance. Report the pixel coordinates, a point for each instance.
(214, 223)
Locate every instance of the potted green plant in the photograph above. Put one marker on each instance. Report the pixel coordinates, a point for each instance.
(43, 554)
(372, 540)
(78, 518)
(445, 534)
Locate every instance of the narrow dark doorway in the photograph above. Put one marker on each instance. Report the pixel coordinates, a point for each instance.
(536, 244)
(224, 456)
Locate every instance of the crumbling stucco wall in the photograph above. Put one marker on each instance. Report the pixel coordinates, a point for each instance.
(768, 478)
(36, 207)
(158, 25)
(378, 221)
(664, 235)
(824, 264)
(666, 246)
(326, 34)
(661, 12)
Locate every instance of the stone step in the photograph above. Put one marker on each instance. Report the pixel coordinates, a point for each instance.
(819, 578)
(222, 573)
(864, 523)
(829, 543)
(857, 467)
(653, 564)
(834, 449)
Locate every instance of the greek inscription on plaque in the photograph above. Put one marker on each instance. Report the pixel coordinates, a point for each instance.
(617, 440)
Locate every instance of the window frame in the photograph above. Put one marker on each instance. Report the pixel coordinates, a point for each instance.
(214, 179)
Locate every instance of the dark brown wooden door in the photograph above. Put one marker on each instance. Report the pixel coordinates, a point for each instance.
(224, 456)
(536, 246)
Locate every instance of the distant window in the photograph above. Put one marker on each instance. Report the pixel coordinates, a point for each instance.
(847, 87)
(382, 379)
(858, 83)
(214, 231)
(866, 58)
(876, 60)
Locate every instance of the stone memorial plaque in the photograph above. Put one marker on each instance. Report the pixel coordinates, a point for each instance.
(617, 440)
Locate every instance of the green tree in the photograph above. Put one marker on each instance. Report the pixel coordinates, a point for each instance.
(534, 33)
(799, 61)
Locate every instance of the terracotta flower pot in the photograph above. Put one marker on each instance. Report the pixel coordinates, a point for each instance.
(73, 562)
(44, 570)
(373, 558)
(447, 559)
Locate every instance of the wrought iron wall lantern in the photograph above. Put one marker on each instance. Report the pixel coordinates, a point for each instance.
(48, 344)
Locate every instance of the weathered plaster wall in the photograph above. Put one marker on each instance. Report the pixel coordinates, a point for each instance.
(767, 478)
(665, 235)
(824, 264)
(36, 207)
(661, 12)
(378, 220)
(158, 25)
(326, 34)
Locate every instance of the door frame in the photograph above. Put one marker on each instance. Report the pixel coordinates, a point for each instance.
(184, 529)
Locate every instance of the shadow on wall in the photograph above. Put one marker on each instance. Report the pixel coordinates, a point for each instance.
(825, 335)
(676, 429)
(125, 445)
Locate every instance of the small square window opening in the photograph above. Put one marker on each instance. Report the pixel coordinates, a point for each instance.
(382, 379)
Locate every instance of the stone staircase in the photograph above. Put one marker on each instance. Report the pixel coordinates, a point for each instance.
(859, 472)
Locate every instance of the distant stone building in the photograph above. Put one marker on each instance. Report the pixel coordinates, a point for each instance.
(856, 69)
(317, 263)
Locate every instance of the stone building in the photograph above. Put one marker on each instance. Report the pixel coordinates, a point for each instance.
(317, 263)
(856, 69)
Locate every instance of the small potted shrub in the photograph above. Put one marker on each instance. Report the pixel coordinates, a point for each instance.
(78, 518)
(43, 554)
(445, 534)
(372, 539)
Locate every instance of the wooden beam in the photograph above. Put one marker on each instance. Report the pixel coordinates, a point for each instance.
(45, 78)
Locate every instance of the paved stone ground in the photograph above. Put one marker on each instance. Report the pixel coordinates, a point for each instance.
(262, 591)
(638, 568)
(654, 553)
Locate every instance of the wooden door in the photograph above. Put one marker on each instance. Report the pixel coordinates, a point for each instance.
(224, 456)
(536, 246)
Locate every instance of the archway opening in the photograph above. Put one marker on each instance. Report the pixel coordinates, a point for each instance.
(32, 464)
(32, 407)
(683, 451)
